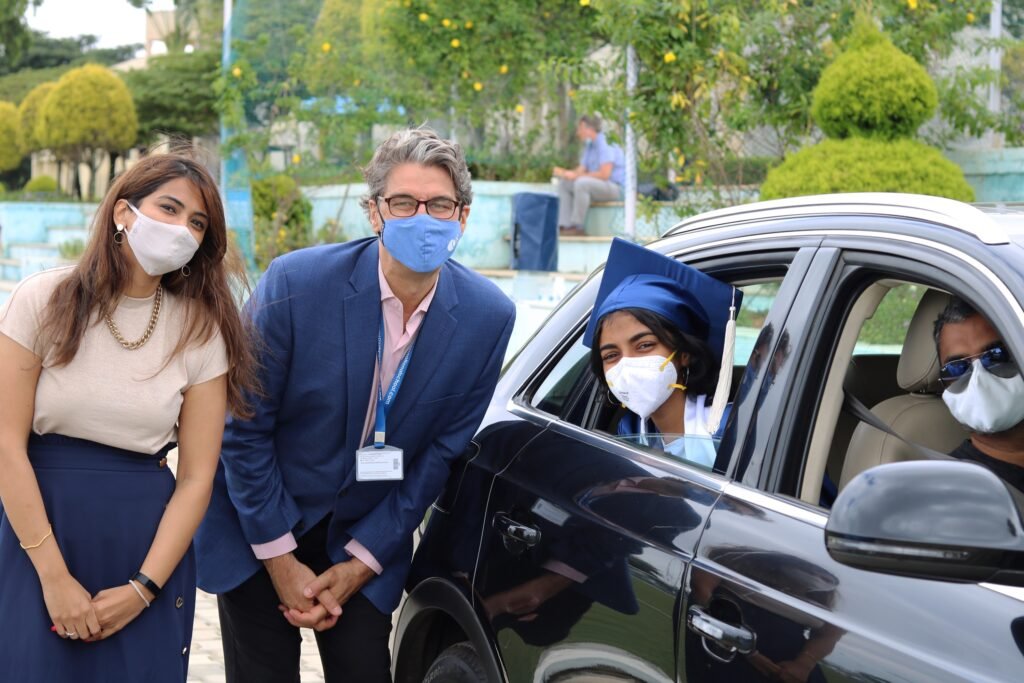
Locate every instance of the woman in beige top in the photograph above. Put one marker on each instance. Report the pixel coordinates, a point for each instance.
(104, 367)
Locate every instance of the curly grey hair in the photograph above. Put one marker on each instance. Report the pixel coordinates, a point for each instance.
(417, 146)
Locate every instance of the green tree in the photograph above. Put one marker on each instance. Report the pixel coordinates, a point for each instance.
(260, 87)
(867, 165)
(44, 52)
(28, 114)
(89, 112)
(47, 59)
(10, 135)
(787, 45)
(14, 33)
(690, 74)
(175, 95)
(340, 66)
(283, 218)
(873, 100)
(873, 90)
(477, 58)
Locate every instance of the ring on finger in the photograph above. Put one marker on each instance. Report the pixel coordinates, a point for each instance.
(71, 634)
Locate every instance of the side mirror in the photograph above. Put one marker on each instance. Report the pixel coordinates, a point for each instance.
(953, 521)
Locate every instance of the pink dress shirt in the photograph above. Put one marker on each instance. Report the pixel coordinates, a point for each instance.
(397, 337)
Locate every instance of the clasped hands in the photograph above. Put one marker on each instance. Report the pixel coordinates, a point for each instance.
(311, 601)
(77, 615)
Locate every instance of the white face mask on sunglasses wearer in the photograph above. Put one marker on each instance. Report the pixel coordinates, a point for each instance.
(984, 402)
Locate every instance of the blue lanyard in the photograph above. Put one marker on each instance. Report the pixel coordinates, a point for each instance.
(384, 401)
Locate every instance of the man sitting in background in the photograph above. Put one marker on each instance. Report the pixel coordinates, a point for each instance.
(599, 177)
(984, 390)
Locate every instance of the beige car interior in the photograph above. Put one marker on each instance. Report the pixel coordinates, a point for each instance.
(916, 411)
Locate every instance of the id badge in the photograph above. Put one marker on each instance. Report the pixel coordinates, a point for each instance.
(379, 464)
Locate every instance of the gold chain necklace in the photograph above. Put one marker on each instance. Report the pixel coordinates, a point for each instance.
(131, 346)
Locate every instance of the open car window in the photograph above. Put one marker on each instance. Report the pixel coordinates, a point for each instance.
(691, 449)
(570, 391)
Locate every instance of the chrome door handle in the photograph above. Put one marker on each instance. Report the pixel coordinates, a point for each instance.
(517, 531)
(729, 636)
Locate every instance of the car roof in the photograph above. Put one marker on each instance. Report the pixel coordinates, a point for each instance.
(989, 223)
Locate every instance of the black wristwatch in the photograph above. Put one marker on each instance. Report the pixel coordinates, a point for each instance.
(148, 583)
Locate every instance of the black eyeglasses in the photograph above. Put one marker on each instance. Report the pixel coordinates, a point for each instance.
(403, 206)
(996, 360)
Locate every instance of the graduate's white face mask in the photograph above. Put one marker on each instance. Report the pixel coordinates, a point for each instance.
(643, 383)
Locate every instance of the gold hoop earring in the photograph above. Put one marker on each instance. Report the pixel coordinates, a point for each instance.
(185, 270)
(119, 233)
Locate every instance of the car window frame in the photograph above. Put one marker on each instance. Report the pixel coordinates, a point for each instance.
(930, 262)
(794, 254)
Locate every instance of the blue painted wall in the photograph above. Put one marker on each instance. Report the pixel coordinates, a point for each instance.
(27, 222)
(996, 175)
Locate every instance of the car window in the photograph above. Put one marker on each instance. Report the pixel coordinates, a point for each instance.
(570, 391)
(694, 450)
(557, 386)
(573, 367)
(758, 298)
(884, 331)
(884, 362)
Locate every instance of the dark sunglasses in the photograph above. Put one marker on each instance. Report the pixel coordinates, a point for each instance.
(996, 360)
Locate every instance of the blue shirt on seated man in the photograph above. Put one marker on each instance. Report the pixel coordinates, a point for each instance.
(657, 339)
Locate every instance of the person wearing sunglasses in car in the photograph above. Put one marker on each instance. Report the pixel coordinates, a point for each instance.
(983, 389)
(661, 343)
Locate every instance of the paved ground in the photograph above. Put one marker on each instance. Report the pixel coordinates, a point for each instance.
(207, 662)
(206, 665)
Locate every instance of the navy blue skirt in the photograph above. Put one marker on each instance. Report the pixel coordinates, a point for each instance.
(105, 505)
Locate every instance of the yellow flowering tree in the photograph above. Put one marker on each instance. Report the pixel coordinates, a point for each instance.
(28, 114)
(88, 113)
(349, 90)
(476, 60)
(10, 134)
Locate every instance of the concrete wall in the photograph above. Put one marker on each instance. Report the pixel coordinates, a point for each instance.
(996, 175)
(30, 222)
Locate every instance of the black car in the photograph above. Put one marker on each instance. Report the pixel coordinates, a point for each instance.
(818, 547)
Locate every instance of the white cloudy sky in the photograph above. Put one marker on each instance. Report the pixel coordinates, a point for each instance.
(114, 21)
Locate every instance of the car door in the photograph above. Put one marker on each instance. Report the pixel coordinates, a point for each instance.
(587, 537)
(764, 600)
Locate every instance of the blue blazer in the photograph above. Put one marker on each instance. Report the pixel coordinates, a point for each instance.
(317, 312)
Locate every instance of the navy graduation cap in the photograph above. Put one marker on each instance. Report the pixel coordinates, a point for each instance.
(636, 277)
(697, 304)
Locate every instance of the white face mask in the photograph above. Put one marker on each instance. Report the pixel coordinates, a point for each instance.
(642, 383)
(160, 247)
(988, 404)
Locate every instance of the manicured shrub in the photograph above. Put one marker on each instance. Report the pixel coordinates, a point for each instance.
(865, 165)
(10, 137)
(873, 90)
(282, 216)
(41, 184)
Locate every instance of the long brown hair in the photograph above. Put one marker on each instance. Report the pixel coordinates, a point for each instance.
(102, 275)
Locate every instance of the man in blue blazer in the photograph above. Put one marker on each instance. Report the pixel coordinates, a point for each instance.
(379, 357)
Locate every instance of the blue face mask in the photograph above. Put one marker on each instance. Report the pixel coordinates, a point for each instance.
(421, 243)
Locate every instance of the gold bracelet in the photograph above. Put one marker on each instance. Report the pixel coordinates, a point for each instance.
(49, 532)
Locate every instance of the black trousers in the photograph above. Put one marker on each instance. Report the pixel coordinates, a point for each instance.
(261, 647)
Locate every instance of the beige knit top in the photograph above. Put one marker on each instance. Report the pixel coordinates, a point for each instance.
(108, 394)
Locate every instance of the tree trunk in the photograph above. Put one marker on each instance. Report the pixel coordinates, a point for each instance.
(76, 180)
(112, 156)
(94, 167)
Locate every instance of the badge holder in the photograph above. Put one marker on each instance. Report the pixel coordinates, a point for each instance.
(381, 462)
